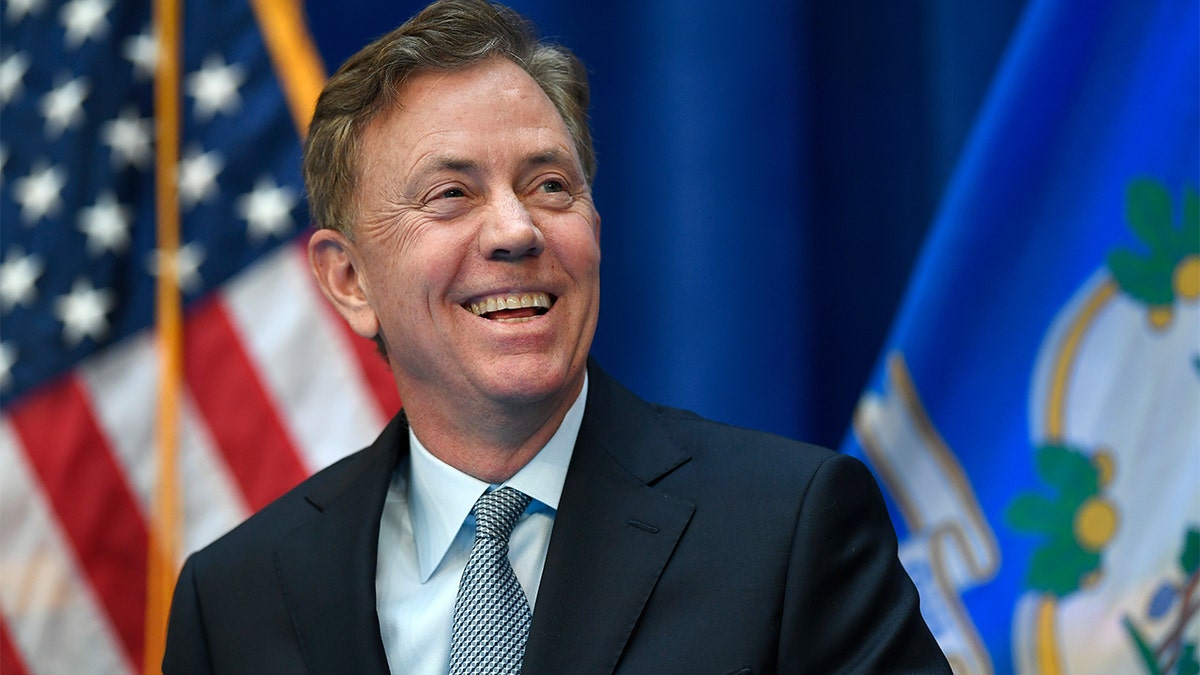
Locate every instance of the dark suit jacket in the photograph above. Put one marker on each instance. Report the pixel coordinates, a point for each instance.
(680, 546)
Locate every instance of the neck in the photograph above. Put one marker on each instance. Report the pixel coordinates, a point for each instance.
(494, 444)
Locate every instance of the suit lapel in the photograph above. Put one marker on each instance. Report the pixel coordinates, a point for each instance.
(327, 566)
(613, 534)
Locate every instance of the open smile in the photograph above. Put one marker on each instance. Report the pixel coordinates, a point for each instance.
(511, 307)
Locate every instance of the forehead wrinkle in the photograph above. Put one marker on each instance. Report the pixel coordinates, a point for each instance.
(433, 163)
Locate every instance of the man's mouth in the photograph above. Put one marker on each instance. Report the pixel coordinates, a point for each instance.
(511, 306)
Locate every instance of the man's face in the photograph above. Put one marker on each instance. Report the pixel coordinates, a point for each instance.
(477, 243)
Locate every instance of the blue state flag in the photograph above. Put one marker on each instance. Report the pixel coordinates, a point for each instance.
(1035, 418)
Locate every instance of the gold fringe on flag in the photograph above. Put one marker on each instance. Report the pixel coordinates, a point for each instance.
(297, 64)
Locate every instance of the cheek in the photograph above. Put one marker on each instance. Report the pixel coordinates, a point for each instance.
(386, 265)
(579, 250)
(413, 266)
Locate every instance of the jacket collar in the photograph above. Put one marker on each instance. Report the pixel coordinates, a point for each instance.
(327, 566)
(613, 535)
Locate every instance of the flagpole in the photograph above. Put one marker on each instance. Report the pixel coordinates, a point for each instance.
(163, 550)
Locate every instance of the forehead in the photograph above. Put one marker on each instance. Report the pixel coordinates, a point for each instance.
(493, 98)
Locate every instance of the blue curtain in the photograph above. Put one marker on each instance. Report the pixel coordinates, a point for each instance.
(767, 173)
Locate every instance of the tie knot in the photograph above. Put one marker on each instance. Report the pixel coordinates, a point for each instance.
(497, 511)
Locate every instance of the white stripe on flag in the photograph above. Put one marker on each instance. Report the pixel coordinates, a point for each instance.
(56, 621)
(212, 502)
(122, 387)
(303, 359)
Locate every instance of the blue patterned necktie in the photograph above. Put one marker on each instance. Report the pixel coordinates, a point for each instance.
(491, 613)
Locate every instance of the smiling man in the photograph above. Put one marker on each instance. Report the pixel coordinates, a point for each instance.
(524, 513)
(474, 257)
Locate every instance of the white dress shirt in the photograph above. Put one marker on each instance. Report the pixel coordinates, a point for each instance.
(427, 533)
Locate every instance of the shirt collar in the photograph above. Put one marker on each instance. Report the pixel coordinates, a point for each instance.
(441, 496)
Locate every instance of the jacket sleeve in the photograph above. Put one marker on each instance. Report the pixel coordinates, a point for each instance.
(187, 640)
(846, 584)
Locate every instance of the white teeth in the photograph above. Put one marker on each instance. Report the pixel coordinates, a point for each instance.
(510, 301)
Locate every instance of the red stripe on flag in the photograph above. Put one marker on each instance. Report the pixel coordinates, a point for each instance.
(374, 370)
(94, 503)
(10, 658)
(235, 404)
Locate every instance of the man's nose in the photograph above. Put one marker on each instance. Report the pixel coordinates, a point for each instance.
(510, 232)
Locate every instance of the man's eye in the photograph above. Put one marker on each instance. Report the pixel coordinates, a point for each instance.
(452, 193)
(553, 186)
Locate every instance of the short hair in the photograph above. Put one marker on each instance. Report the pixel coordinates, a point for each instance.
(446, 35)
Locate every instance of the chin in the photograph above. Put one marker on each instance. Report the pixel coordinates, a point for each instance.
(528, 381)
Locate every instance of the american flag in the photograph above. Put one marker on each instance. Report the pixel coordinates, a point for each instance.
(273, 385)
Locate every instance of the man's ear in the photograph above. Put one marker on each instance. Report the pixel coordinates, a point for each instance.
(334, 261)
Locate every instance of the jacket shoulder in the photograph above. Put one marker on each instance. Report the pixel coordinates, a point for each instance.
(710, 440)
(254, 538)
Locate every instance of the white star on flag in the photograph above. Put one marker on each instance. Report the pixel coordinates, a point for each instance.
(215, 87)
(129, 137)
(84, 20)
(106, 224)
(184, 264)
(18, 278)
(19, 9)
(63, 106)
(12, 72)
(84, 311)
(267, 210)
(142, 51)
(198, 173)
(39, 193)
(8, 359)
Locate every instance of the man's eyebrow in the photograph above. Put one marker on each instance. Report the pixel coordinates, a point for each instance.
(456, 164)
(551, 156)
(448, 163)
(432, 166)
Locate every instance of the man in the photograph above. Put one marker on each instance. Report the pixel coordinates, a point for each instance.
(449, 165)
